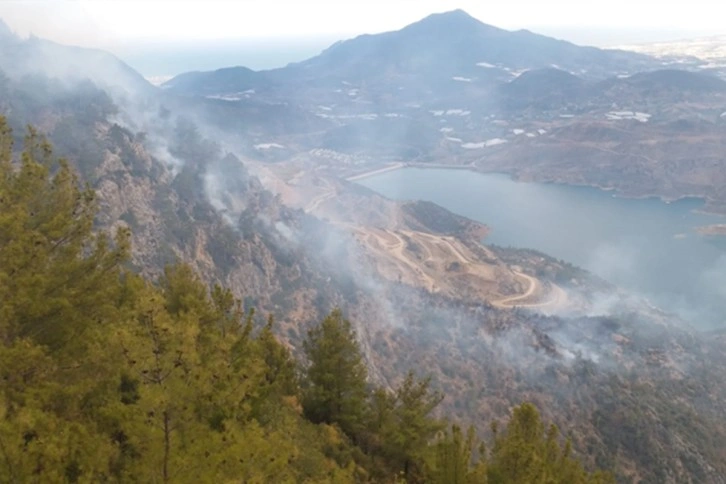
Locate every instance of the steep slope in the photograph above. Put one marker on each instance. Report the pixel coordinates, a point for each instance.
(184, 197)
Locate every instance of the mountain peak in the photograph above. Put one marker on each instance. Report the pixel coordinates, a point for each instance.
(454, 14)
(452, 21)
(457, 16)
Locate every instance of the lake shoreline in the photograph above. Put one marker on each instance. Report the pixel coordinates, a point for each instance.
(616, 192)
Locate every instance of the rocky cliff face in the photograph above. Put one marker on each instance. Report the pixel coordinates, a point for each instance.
(233, 238)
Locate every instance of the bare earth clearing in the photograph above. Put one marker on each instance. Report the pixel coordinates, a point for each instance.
(444, 264)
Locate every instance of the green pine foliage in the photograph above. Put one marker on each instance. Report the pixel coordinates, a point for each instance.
(336, 391)
(107, 377)
(459, 459)
(528, 451)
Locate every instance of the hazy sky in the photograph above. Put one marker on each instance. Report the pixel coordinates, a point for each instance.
(107, 23)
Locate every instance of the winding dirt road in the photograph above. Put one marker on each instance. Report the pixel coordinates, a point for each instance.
(557, 295)
(437, 240)
(533, 286)
(397, 248)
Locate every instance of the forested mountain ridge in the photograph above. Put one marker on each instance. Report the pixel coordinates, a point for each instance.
(108, 377)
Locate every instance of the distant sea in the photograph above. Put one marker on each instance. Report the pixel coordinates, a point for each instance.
(161, 61)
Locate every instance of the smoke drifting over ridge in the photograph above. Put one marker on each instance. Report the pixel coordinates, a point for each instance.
(226, 181)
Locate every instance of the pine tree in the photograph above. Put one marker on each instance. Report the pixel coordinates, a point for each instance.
(194, 383)
(526, 452)
(335, 390)
(456, 462)
(57, 278)
(411, 427)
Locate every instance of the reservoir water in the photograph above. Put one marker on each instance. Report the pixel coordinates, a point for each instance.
(644, 245)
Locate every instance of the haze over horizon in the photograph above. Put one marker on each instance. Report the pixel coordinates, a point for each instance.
(163, 38)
